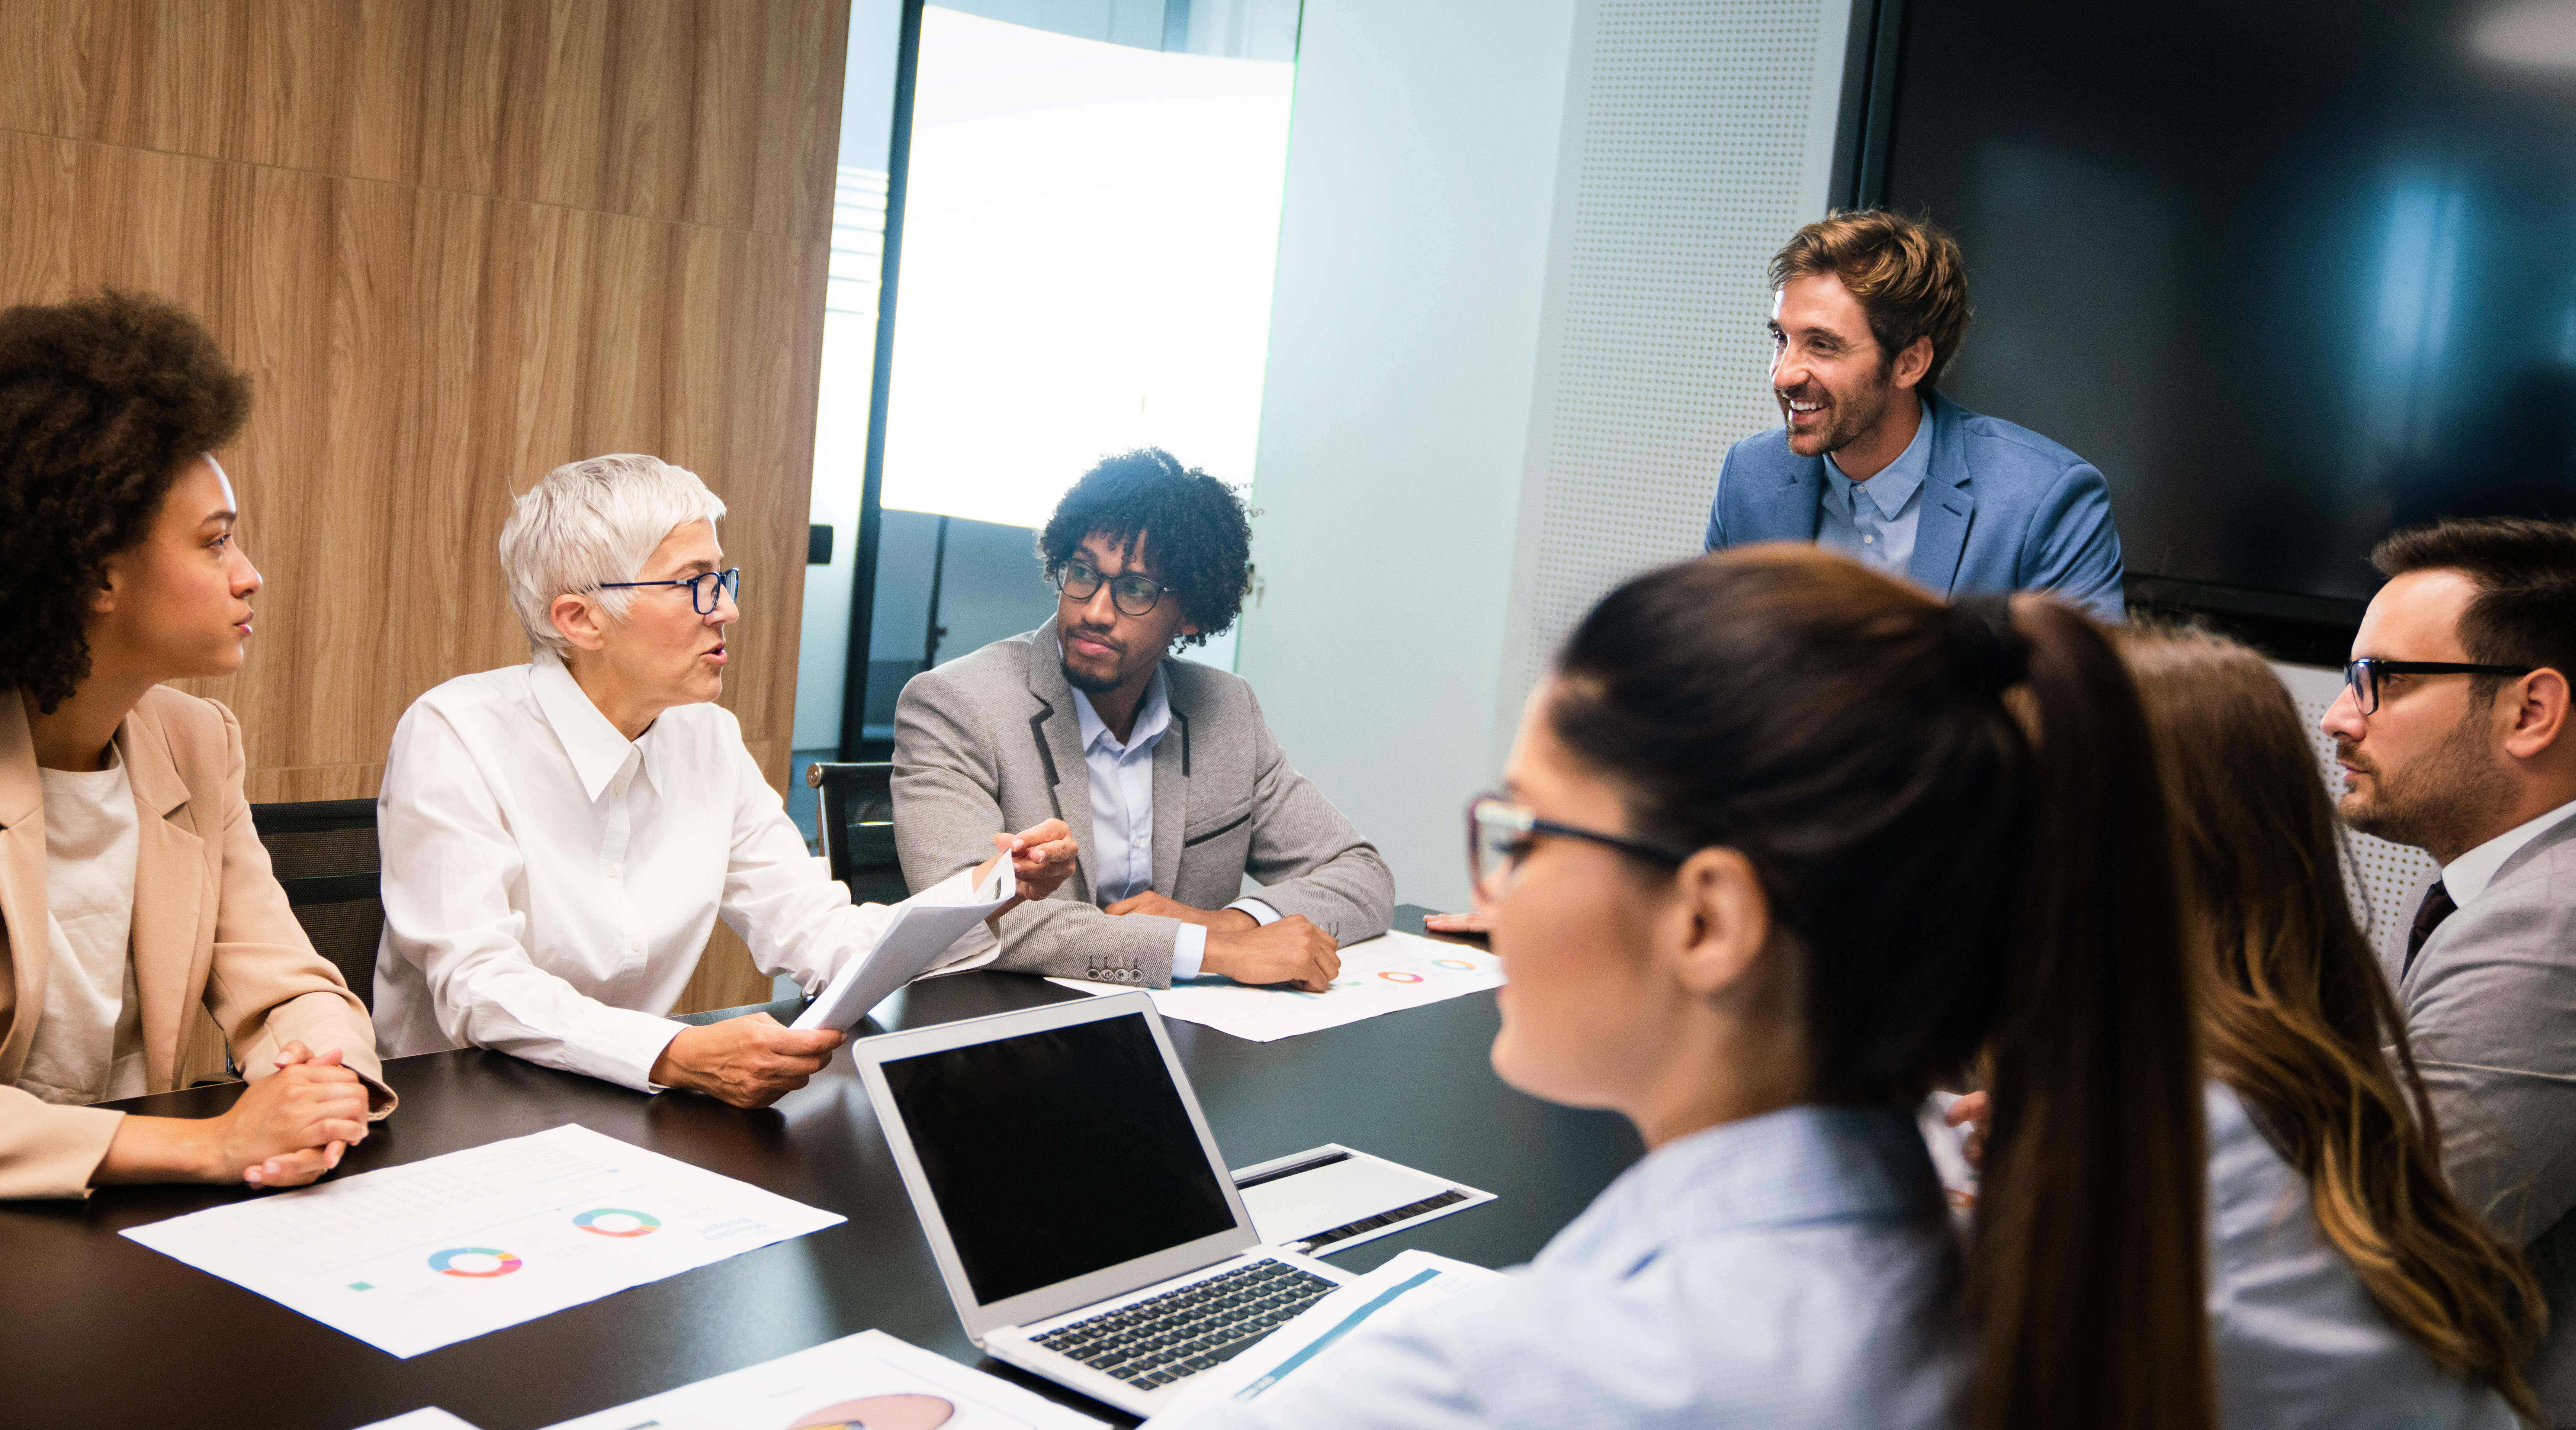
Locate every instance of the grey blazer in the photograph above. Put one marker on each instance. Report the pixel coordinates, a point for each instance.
(991, 742)
(2491, 1005)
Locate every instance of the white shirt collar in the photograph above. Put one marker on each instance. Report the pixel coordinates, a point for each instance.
(2468, 876)
(1153, 717)
(598, 751)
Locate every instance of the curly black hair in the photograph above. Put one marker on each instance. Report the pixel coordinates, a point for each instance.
(102, 401)
(1194, 525)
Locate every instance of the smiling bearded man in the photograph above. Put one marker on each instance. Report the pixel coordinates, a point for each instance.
(1869, 310)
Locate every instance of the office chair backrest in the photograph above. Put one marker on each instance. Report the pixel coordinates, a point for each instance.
(324, 852)
(857, 824)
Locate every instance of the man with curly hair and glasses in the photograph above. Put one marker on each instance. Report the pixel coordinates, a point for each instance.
(1171, 780)
(135, 899)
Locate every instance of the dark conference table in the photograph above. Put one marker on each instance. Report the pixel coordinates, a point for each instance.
(96, 1330)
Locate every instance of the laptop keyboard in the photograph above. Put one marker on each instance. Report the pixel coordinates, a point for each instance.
(1153, 1342)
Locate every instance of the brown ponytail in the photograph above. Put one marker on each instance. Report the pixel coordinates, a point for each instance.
(1952, 882)
(2087, 1286)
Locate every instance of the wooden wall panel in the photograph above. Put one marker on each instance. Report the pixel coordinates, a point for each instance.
(457, 243)
(724, 113)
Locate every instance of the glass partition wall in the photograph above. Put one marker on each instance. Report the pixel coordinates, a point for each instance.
(1079, 234)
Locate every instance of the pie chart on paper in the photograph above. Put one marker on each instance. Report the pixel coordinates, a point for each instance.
(879, 1412)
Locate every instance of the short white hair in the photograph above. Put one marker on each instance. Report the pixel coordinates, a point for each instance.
(589, 523)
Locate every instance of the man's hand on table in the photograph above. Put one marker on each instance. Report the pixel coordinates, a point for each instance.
(1212, 920)
(1290, 951)
(1241, 947)
(1476, 922)
(751, 1061)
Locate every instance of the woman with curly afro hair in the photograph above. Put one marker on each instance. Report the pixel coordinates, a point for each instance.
(133, 889)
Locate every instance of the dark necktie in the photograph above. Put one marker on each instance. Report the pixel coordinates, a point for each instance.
(2436, 907)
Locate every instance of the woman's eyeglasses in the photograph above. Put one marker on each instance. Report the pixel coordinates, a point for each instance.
(703, 590)
(1500, 834)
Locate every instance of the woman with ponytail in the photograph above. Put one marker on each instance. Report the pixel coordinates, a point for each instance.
(1777, 851)
(2350, 1287)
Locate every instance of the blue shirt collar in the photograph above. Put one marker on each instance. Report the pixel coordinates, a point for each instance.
(1800, 1166)
(1892, 487)
(1153, 717)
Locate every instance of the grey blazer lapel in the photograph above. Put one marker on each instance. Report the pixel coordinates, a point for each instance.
(1941, 531)
(1056, 732)
(2541, 843)
(1171, 796)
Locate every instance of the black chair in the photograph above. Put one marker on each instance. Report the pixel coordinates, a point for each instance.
(324, 852)
(856, 821)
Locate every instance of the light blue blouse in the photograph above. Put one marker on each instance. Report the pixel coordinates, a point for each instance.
(2299, 1342)
(1791, 1270)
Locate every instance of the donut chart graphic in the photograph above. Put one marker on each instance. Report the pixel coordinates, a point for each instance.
(879, 1412)
(1453, 963)
(1398, 975)
(617, 1221)
(475, 1261)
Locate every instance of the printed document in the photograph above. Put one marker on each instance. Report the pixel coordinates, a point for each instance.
(1386, 974)
(442, 1250)
(869, 1381)
(915, 940)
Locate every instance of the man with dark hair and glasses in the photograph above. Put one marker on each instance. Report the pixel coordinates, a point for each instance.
(1175, 789)
(2454, 735)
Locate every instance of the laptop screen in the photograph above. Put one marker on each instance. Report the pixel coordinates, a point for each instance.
(1056, 1154)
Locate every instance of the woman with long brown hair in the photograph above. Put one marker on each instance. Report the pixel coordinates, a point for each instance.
(2350, 1287)
(1774, 855)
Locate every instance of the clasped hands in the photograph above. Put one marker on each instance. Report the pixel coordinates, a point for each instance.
(286, 1129)
(1290, 950)
(754, 1060)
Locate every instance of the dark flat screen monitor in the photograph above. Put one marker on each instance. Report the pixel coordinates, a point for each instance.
(2290, 272)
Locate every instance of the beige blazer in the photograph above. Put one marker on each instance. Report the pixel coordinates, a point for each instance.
(211, 931)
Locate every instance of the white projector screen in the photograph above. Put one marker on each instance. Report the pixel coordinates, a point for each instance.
(1089, 233)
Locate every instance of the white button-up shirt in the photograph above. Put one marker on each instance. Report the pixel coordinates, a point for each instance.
(1790, 1271)
(1122, 815)
(549, 885)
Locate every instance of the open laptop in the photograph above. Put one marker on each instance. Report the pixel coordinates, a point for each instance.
(1081, 1214)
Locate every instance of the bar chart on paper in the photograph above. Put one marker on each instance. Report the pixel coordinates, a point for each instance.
(1386, 974)
(429, 1253)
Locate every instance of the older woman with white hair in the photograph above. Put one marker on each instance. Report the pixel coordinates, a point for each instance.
(560, 837)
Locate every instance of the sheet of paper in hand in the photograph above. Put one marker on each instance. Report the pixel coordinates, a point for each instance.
(918, 938)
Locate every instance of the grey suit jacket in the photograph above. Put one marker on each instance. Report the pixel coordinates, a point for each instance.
(2491, 1005)
(991, 742)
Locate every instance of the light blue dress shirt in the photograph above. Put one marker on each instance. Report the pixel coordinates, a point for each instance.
(2299, 1342)
(1122, 815)
(1874, 520)
(1788, 1271)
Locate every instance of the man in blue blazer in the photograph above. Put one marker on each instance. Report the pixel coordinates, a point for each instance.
(1870, 309)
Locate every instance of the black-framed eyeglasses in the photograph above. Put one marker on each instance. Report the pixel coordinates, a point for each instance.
(1134, 594)
(703, 590)
(1501, 833)
(2362, 676)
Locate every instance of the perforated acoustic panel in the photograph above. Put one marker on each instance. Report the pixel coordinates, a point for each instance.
(1699, 134)
(2383, 876)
